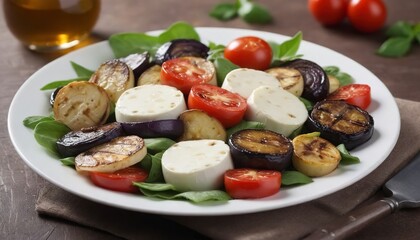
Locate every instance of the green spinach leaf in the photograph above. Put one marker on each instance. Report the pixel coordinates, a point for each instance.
(81, 71)
(32, 121)
(223, 67)
(346, 157)
(225, 11)
(48, 132)
(294, 177)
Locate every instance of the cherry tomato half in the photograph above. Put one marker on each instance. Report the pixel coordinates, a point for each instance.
(328, 12)
(249, 52)
(250, 183)
(367, 15)
(121, 180)
(185, 72)
(355, 94)
(227, 107)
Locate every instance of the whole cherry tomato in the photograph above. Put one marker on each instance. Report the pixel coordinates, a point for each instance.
(367, 15)
(249, 52)
(328, 12)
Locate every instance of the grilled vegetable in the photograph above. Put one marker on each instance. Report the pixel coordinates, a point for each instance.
(76, 142)
(171, 128)
(117, 154)
(81, 105)
(334, 83)
(260, 149)
(150, 76)
(199, 125)
(340, 122)
(314, 156)
(115, 77)
(315, 79)
(138, 62)
(290, 79)
(181, 48)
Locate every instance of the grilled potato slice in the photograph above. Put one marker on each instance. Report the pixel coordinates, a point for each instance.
(115, 77)
(150, 76)
(119, 153)
(334, 83)
(199, 125)
(81, 105)
(314, 156)
(290, 79)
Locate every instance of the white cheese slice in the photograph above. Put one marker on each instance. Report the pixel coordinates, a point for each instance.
(243, 81)
(277, 108)
(196, 165)
(149, 103)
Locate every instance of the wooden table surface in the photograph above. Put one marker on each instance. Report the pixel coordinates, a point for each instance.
(19, 185)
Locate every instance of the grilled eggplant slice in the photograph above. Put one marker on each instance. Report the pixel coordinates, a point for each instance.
(290, 79)
(119, 153)
(260, 149)
(316, 84)
(138, 62)
(181, 48)
(314, 156)
(169, 128)
(76, 142)
(115, 77)
(82, 104)
(340, 122)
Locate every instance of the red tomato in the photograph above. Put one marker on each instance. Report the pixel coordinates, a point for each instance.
(250, 183)
(185, 72)
(249, 52)
(121, 180)
(355, 94)
(328, 12)
(227, 107)
(367, 15)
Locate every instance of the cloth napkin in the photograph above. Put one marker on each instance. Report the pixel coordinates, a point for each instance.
(286, 223)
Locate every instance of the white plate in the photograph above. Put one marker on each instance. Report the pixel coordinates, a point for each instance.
(29, 101)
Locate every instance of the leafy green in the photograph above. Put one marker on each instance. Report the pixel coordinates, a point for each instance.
(247, 10)
(69, 161)
(62, 83)
(308, 104)
(48, 132)
(156, 145)
(244, 125)
(32, 121)
(124, 44)
(294, 177)
(216, 51)
(342, 77)
(224, 11)
(346, 157)
(167, 191)
(401, 37)
(81, 71)
(223, 67)
(155, 173)
(287, 50)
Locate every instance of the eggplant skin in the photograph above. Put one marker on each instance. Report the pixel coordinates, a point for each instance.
(260, 149)
(316, 83)
(169, 128)
(181, 48)
(138, 62)
(351, 140)
(75, 142)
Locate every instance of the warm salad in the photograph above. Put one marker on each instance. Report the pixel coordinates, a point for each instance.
(175, 118)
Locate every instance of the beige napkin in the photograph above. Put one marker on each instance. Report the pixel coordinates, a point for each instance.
(286, 223)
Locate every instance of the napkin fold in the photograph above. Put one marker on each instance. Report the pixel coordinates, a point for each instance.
(286, 223)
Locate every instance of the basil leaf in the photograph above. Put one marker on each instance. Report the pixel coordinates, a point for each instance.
(216, 51)
(81, 71)
(342, 77)
(48, 132)
(416, 30)
(124, 44)
(155, 173)
(308, 104)
(32, 121)
(178, 30)
(146, 163)
(395, 47)
(252, 12)
(156, 187)
(224, 11)
(69, 161)
(289, 48)
(155, 145)
(346, 157)
(400, 29)
(223, 67)
(203, 196)
(244, 125)
(62, 83)
(294, 177)
(333, 70)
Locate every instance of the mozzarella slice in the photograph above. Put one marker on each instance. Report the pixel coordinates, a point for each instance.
(277, 108)
(149, 103)
(243, 81)
(196, 165)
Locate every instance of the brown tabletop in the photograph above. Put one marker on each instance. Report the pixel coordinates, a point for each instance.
(19, 185)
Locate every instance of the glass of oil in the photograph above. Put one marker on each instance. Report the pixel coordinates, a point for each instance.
(49, 25)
